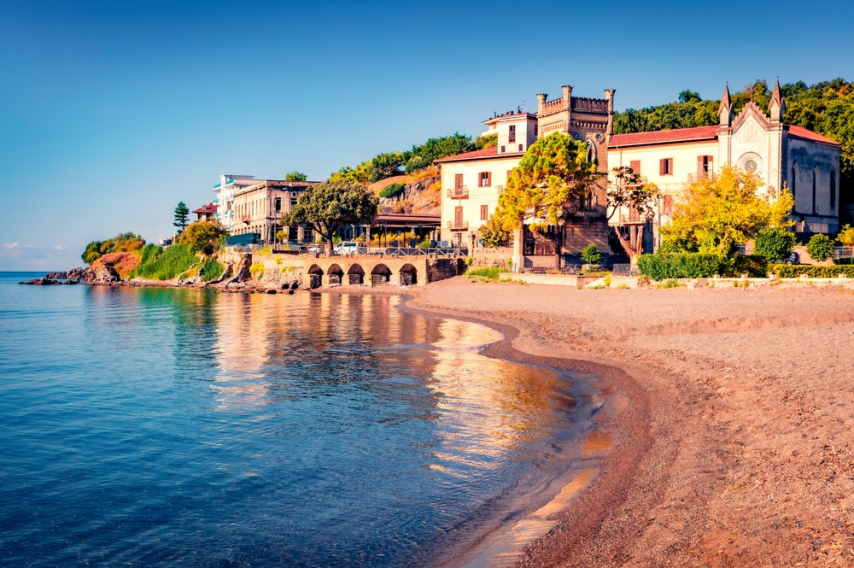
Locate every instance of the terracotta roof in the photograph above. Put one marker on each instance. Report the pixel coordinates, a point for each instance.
(806, 134)
(665, 136)
(208, 209)
(484, 154)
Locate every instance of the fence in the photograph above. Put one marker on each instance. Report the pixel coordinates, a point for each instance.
(843, 252)
(625, 270)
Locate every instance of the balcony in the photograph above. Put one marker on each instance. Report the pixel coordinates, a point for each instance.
(456, 225)
(458, 193)
(245, 219)
(702, 175)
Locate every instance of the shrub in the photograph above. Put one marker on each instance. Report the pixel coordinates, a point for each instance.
(493, 233)
(846, 261)
(671, 283)
(424, 244)
(392, 190)
(681, 265)
(257, 271)
(211, 270)
(125, 242)
(591, 254)
(774, 243)
(820, 247)
(754, 265)
(490, 273)
(164, 265)
(203, 237)
(796, 270)
(846, 236)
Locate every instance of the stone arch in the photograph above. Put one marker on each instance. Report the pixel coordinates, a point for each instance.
(380, 275)
(315, 276)
(408, 275)
(356, 275)
(335, 275)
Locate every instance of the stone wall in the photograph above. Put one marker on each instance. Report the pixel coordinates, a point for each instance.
(444, 268)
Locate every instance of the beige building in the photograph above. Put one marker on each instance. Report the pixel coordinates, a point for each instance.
(259, 208)
(472, 182)
(806, 162)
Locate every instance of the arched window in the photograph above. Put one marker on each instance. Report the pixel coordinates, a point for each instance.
(793, 186)
(813, 192)
(832, 189)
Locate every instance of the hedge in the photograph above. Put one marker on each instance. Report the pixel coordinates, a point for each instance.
(796, 270)
(663, 266)
(844, 260)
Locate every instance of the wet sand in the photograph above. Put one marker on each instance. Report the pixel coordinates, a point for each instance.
(732, 440)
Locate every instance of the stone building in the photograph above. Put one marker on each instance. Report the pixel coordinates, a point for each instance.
(781, 154)
(472, 182)
(259, 208)
(224, 201)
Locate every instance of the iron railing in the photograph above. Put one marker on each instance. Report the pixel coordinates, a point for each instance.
(458, 192)
(458, 225)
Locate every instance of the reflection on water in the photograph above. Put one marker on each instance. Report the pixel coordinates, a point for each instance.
(152, 427)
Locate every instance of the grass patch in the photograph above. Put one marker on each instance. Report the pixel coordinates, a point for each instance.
(671, 283)
(623, 287)
(257, 271)
(488, 274)
(159, 264)
(211, 270)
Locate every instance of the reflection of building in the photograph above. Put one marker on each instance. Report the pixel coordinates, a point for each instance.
(224, 201)
(471, 183)
(258, 208)
(806, 162)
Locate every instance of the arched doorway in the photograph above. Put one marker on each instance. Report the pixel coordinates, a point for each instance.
(356, 275)
(380, 275)
(315, 277)
(408, 275)
(335, 274)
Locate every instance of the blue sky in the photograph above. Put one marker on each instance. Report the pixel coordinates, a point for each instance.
(112, 112)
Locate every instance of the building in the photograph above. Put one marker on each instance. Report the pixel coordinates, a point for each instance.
(224, 200)
(258, 208)
(472, 182)
(781, 154)
(206, 212)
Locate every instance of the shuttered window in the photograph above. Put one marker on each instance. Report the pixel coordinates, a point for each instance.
(665, 167)
(635, 165)
(512, 137)
(484, 212)
(705, 166)
(458, 181)
(484, 179)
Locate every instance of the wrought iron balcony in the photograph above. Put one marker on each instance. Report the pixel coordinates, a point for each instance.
(458, 225)
(458, 192)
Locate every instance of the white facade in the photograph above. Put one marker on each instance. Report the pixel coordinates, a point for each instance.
(224, 200)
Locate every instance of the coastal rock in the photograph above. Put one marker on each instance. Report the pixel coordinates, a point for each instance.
(42, 282)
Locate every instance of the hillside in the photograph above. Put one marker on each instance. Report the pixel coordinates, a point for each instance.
(826, 108)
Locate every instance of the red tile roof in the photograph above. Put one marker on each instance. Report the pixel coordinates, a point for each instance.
(208, 209)
(486, 153)
(664, 136)
(806, 134)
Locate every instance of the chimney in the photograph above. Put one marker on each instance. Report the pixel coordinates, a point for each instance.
(609, 96)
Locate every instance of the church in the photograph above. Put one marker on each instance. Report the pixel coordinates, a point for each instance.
(782, 155)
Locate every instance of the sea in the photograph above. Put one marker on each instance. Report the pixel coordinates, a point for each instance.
(187, 427)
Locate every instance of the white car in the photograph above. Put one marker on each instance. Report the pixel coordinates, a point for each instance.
(346, 248)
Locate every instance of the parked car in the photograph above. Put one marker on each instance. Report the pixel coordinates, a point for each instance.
(346, 248)
(314, 248)
(793, 258)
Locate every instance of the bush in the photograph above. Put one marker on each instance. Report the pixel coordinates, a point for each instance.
(774, 243)
(211, 270)
(203, 237)
(796, 270)
(754, 265)
(493, 234)
(164, 265)
(425, 244)
(257, 271)
(844, 261)
(392, 190)
(490, 273)
(820, 247)
(126, 242)
(591, 254)
(681, 265)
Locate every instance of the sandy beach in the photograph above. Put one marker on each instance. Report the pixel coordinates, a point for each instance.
(733, 444)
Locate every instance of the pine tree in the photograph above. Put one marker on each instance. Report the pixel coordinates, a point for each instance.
(182, 212)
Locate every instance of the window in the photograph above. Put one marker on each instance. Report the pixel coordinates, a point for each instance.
(484, 212)
(705, 166)
(278, 204)
(536, 130)
(665, 167)
(294, 202)
(521, 146)
(458, 181)
(503, 150)
(484, 179)
(512, 137)
(509, 173)
(635, 165)
(833, 189)
(458, 216)
(668, 205)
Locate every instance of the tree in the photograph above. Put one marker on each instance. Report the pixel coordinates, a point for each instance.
(203, 237)
(181, 214)
(125, 242)
(325, 207)
(846, 236)
(296, 176)
(549, 184)
(715, 215)
(591, 254)
(628, 190)
(493, 234)
(774, 243)
(483, 142)
(820, 247)
(687, 96)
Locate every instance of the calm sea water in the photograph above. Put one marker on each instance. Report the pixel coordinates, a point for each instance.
(161, 427)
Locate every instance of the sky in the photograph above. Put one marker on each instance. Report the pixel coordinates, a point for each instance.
(113, 112)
